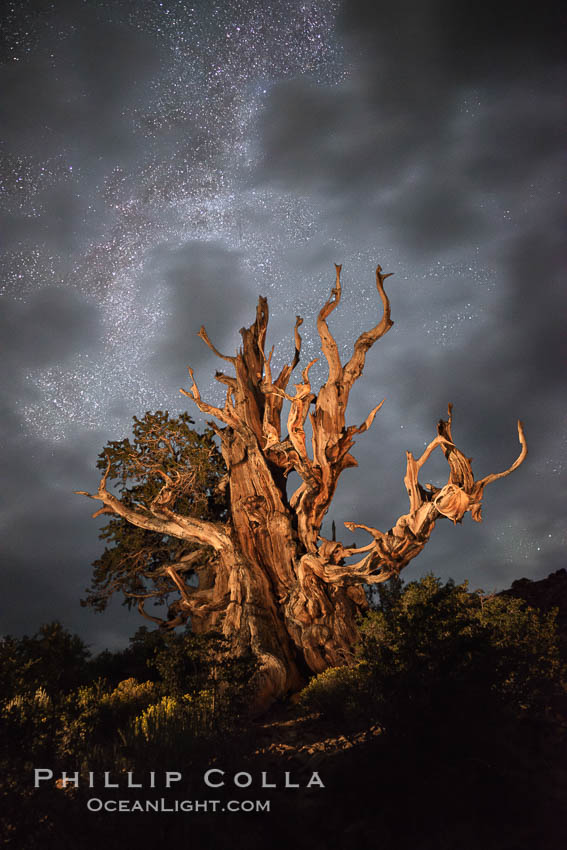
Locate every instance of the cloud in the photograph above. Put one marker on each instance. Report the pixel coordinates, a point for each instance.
(457, 44)
(200, 283)
(70, 96)
(48, 326)
(69, 122)
(446, 141)
(438, 154)
(450, 114)
(45, 537)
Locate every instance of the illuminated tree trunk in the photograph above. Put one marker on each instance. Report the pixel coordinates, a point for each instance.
(277, 586)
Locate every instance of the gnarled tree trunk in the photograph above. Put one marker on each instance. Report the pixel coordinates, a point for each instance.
(276, 585)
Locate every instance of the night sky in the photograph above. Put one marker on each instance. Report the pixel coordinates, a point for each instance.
(163, 164)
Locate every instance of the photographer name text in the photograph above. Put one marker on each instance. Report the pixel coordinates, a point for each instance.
(214, 777)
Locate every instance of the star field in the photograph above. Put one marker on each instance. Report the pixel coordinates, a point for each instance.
(163, 164)
(194, 131)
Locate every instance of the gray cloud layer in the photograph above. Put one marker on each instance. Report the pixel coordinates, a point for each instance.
(136, 212)
(449, 138)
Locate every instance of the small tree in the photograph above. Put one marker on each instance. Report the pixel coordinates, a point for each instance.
(140, 561)
(267, 578)
(52, 659)
(436, 653)
(435, 656)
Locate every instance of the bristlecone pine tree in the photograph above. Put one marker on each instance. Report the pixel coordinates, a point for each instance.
(267, 578)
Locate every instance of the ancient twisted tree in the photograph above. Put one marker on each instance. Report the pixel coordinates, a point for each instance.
(261, 572)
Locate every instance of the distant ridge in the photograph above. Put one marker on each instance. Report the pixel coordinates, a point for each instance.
(545, 594)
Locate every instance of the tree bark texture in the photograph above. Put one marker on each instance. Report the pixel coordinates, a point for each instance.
(276, 585)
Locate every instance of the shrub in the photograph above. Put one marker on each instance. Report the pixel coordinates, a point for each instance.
(28, 723)
(435, 659)
(93, 718)
(339, 694)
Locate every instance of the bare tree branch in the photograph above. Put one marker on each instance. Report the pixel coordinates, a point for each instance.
(328, 344)
(203, 406)
(204, 336)
(360, 429)
(391, 551)
(494, 476)
(181, 527)
(159, 620)
(353, 369)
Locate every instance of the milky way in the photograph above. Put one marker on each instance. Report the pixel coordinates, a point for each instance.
(195, 147)
(164, 164)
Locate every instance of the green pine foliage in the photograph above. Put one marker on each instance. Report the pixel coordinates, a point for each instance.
(133, 560)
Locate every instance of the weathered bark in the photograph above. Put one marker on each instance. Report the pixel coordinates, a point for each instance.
(277, 586)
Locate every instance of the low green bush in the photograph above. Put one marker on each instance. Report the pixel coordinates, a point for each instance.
(434, 658)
